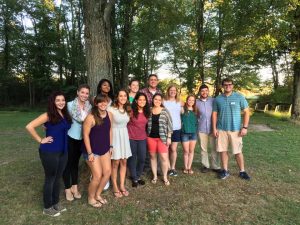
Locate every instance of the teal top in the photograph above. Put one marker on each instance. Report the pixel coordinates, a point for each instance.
(131, 99)
(189, 122)
(229, 111)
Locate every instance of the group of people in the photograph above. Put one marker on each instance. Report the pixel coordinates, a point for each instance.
(135, 130)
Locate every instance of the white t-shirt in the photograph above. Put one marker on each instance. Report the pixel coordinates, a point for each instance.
(174, 109)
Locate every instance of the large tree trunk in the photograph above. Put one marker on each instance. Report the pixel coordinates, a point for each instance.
(219, 53)
(275, 74)
(200, 36)
(98, 41)
(296, 95)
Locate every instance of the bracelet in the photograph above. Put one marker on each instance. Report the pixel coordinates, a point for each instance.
(111, 146)
(90, 154)
(245, 128)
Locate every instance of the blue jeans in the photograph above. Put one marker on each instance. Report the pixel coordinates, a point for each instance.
(137, 160)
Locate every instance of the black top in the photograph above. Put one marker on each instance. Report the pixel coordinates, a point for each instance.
(155, 126)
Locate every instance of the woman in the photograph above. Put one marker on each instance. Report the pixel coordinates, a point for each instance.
(138, 137)
(53, 149)
(105, 87)
(189, 132)
(78, 109)
(173, 105)
(120, 112)
(160, 130)
(134, 86)
(97, 149)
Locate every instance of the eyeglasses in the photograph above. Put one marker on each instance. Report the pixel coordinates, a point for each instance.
(227, 85)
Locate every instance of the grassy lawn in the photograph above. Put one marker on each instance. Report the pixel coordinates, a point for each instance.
(272, 197)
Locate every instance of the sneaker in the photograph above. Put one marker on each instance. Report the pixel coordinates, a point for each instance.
(51, 212)
(106, 186)
(59, 208)
(204, 169)
(170, 172)
(216, 170)
(224, 174)
(244, 175)
(135, 183)
(141, 182)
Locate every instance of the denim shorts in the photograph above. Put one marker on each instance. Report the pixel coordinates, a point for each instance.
(176, 136)
(188, 137)
(86, 156)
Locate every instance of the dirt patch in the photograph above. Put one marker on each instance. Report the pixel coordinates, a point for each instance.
(260, 127)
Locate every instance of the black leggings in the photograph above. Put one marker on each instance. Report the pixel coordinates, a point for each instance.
(54, 164)
(70, 174)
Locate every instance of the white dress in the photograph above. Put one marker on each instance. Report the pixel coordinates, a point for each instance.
(120, 139)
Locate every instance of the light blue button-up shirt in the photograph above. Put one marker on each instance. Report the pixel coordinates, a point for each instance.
(204, 120)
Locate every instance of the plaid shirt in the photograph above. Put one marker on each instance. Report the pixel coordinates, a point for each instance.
(149, 94)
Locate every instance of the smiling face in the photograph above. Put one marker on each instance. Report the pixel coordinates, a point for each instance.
(122, 97)
(153, 82)
(102, 105)
(134, 86)
(83, 94)
(105, 87)
(228, 87)
(60, 102)
(141, 101)
(157, 101)
(204, 93)
(172, 92)
(190, 101)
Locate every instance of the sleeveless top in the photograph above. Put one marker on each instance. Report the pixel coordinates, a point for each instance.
(189, 122)
(59, 133)
(99, 138)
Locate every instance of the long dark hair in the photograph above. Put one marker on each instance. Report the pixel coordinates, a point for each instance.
(111, 91)
(158, 94)
(53, 115)
(95, 112)
(134, 105)
(127, 106)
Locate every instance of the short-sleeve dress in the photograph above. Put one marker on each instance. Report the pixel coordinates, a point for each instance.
(120, 138)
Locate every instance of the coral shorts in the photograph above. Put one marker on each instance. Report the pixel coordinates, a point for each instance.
(156, 145)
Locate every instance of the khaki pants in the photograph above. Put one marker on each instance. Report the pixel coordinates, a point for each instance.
(207, 141)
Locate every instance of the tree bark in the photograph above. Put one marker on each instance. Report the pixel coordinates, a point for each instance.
(98, 41)
(219, 53)
(200, 36)
(296, 67)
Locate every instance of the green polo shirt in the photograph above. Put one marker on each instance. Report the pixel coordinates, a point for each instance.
(229, 111)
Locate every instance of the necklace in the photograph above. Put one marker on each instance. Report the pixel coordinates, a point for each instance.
(122, 112)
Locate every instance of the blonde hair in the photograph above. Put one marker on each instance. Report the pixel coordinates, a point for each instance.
(167, 96)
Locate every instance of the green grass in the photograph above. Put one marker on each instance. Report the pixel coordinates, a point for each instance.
(272, 197)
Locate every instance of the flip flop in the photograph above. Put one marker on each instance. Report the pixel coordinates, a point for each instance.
(118, 194)
(96, 204)
(154, 181)
(125, 192)
(167, 182)
(101, 200)
(191, 171)
(185, 171)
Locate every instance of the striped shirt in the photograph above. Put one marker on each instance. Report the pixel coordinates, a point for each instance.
(229, 111)
(205, 111)
(165, 125)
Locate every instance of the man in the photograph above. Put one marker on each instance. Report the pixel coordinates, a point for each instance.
(152, 88)
(226, 123)
(205, 105)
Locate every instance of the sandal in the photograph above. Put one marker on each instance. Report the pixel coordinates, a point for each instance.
(167, 182)
(154, 181)
(118, 194)
(185, 171)
(125, 192)
(69, 195)
(191, 171)
(95, 204)
(101, 200)
(77, 195)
